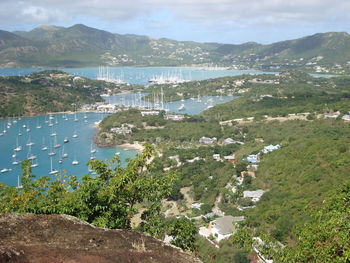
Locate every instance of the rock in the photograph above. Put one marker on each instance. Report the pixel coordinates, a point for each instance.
(61, 238)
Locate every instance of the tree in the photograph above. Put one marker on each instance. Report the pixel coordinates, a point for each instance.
(327, 237)
(184, 233)
(107, 200)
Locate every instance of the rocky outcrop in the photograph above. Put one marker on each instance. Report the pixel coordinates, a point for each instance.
(62, 238)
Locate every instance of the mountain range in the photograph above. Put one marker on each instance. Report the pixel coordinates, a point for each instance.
(82, 46)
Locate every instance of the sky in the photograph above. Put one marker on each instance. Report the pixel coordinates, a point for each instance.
(223, 21)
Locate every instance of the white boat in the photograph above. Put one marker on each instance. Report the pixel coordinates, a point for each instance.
(30, 156)
(65, 140)
(64, 155)
(75, 161)
(56, 145)
(15, 162)
(44, 147)
(38, 126)
(5, 170)
(182, 107)
(34, 164)
(18, 147)
(52, 170)
(75, 135)
(30, 143)
(92, 150)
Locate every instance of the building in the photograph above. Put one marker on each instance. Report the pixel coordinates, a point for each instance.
(271, 148)
(224, 227)
(346, 118)
(253, 158)
(231, 141)
(216, 157)
(149, 113)
(207, 140)
(174, 117)
(230, 158)
(332, 115)
(254, 195)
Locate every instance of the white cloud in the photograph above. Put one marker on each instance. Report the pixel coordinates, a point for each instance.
(235, 13)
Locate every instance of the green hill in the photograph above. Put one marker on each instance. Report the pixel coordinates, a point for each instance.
(80, 45)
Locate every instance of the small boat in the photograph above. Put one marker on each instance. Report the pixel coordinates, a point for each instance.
(64, 155)
(75, 161)
(65, 140)
(30, 156)
(44, 148)
(52, 170)
(30, 143)
(52, 153)
(75, 135)
(15, 162)
(34, 164)
(5, 170)
(18, 147)
(182, 107)
(92, 150)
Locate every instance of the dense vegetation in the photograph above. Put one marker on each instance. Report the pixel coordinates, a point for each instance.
(82, 46)
(107, 200)
(49, 91)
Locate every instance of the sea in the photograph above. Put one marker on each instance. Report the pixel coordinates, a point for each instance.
(51, 130)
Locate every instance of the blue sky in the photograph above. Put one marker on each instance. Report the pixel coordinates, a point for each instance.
(224, 21)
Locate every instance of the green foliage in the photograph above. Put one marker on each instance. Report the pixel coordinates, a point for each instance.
(326, 237)
(184, 233)
(107, 200)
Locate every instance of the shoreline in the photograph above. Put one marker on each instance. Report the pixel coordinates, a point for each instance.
(128, 146)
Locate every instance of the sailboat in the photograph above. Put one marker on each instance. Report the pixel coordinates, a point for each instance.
(75, 161)
(64, 155)
(34, 163)
(75, 116)
(30, 156)
(56, 145)
(182, 107)
(92, 150)
(30, 143)
(44, 147)
(19, 186)
(15, 162)
(38, 126)
(53, 133)
(52, 151)
(75, 135)
(18, 147)
(52, 170)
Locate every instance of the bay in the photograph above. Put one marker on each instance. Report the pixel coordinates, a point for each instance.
(78, 148)
(141, 75)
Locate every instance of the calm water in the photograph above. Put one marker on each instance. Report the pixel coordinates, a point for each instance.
(78, 148)
(135, 75)
(191, 106)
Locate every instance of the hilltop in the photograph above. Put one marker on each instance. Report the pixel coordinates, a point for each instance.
(81, 46)
(62, 238)
(50, 91)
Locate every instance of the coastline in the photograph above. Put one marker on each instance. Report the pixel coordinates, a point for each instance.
(135, 146)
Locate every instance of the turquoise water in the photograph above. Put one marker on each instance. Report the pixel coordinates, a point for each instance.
(79, 147)
(136, 75)
(191, 106)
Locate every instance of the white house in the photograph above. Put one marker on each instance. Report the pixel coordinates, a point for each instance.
(149, 113)
(174, 117)
(216, 157)
(271, 148)
(223, 227)
(346, 118)
(254, 195)
(253, 158)
(207, 140)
